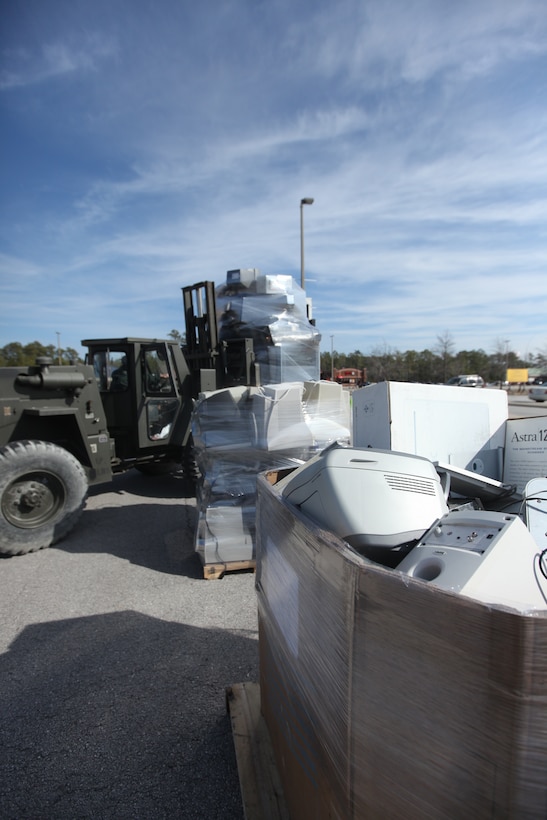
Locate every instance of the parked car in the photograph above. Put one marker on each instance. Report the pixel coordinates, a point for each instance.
(466, 381)
(539, 380)
(538, 392)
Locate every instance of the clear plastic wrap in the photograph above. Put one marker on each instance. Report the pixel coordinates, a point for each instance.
(240, 432)
(270, 310)
(388, 697)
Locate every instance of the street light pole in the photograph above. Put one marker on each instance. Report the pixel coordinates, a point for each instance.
(306, 201)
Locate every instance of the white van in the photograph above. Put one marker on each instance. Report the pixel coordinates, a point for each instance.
(466, 381)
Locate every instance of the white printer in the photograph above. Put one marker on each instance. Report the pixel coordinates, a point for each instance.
(376, 500)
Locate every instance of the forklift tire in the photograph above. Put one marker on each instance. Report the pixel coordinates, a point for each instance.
(42, 493)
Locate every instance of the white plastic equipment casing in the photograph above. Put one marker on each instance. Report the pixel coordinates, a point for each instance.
(535, 495)
(371, 498)
(488, 556)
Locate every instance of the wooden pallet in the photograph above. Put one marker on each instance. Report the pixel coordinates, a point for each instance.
(212, 572)
(261, 789)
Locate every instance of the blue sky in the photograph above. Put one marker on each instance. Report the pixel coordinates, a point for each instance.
(150, 145)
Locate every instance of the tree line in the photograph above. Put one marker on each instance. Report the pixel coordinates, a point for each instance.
(433, 366)
(16, 354)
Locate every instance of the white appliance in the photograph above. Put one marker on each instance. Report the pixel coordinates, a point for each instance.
(277, 417)
(535, 497)
(373, 499)
(461, 426)
(242, 276)
(489, 556)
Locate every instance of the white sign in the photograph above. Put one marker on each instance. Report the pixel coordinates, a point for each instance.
(525, 451)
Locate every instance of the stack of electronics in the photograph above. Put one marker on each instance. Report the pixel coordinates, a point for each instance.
(407, 513)
(240, 432)
(273, 312)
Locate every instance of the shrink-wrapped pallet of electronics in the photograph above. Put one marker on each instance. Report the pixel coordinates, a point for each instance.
(273, 412)
(386, 695)
(238, 433)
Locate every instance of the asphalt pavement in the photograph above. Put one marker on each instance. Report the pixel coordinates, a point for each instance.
(115, 658)
(520, 406)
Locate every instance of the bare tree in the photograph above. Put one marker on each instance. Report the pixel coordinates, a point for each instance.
(541, 359)
(444, 348)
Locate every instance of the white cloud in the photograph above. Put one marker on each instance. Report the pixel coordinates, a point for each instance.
(54, 60)
(378, 44)
(14, 270)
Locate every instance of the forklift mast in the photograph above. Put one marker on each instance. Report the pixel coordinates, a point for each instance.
(213, 363)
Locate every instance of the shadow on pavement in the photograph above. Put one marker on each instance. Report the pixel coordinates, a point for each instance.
(156, 536)
(171, 485)
(123, 520)
(120, 716)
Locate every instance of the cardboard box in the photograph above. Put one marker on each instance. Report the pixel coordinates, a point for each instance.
(461, 426)
(388, 697)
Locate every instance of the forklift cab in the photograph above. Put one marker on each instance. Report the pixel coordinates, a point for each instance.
(143, 385)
